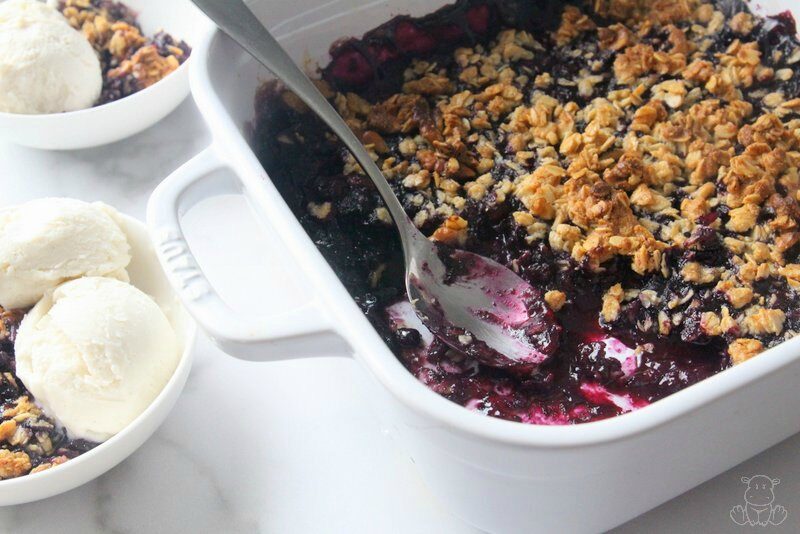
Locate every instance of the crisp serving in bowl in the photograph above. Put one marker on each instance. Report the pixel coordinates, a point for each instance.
(638, 162)
(77, 73)
(130, 60)
(94, 347)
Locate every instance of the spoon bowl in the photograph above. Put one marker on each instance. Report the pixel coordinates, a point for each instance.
(480, 307)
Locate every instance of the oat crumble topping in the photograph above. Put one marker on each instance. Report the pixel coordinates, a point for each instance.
(651, 147)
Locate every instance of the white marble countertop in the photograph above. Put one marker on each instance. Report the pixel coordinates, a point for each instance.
(283, 447)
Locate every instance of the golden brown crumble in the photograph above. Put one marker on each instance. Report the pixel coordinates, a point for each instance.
(22, 409)
(555, 299)
(764, 321)
(743, 349)
(738, 295)
(119, 38)
(431, 84)
(615, 37)
(13, 464)
(146, 65)
(611, 303)
(698, 273)
(453, 231)
(573, 23)
(7, 429)
(742, 23)
(320, 211)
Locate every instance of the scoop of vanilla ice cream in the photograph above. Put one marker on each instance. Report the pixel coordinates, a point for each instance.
(95, 352)
(46, 66)
(48, 241)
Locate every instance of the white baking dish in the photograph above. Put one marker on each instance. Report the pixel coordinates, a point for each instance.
(498, 475)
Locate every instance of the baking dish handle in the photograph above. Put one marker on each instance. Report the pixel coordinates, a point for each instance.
(295, 333)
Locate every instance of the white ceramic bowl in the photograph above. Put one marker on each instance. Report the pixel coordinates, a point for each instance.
(499, 475)
(147, 275)
(125, 117)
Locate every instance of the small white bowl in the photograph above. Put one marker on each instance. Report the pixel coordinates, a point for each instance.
(125, 117)
(146, 274)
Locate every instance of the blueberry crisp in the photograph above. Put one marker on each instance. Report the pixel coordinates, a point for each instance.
(637, 160)
(130, 60)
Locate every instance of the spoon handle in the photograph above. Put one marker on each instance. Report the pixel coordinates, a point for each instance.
(236, 20)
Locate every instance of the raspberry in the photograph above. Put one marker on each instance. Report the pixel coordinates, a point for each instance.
(352, 68)
(411, 38)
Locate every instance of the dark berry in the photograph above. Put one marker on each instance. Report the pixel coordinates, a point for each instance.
(478, 18)
(352, 68)
(708, 218)
(408, 337)
(413, 39)
(785, 24)
(449, 32)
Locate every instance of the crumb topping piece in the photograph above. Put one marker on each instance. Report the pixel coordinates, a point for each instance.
(13, 464)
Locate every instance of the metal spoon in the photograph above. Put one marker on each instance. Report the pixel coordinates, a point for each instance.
(472, 303)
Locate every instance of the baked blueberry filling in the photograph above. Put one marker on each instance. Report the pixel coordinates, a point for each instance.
(636, 161)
